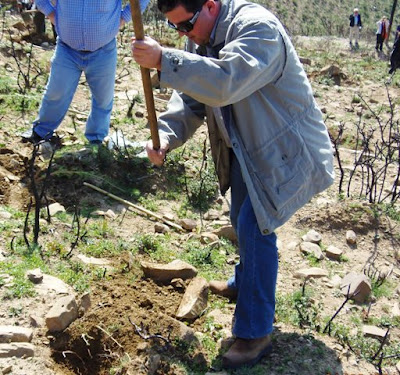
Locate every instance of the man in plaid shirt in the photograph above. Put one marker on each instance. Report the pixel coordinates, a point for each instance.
(86, 43)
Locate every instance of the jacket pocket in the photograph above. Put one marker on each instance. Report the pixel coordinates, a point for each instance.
(282, 169)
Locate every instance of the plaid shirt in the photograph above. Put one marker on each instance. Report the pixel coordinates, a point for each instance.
(87, 25)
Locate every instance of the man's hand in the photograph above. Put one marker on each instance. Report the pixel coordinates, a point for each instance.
(121, 23)
(147, 53)
(157, 157)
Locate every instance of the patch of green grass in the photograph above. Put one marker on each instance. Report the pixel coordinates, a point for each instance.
(148, 244)
(12, 100)
(187, 353)
(210, 346)
(210, 261)
(99, 229)
(356, 320)
(325, 80)
(156, 247)
(74, 274)
(313, 260)
(383, 321)
(17, 267)
(298, 309)
(102, 248)
(384, 289)
(149, 202)
(391, 211)
(363, 347)
(20, 288)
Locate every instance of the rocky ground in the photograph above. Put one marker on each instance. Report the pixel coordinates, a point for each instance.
(111, 336)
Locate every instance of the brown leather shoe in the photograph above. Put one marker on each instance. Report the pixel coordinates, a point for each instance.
(221, 289)
(246, 352)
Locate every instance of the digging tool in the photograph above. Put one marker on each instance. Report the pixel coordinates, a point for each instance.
(148, 92)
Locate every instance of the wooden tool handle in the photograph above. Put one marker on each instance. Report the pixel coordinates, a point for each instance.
(148, 91)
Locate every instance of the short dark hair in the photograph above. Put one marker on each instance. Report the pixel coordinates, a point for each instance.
(190, 5)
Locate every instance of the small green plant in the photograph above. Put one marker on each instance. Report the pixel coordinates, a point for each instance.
(102, 247)
(209, 261)
(147, 244)
(308, 311)
(15, 312)
(149, 203)
(313, 260)
(391, 211)
(100, 229)
(325, 80)
(210, 345)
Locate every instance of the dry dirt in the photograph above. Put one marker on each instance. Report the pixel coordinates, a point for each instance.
(88, 347)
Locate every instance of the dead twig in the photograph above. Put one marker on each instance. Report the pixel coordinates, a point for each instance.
(136, 207)
(143, 333)
(328, 325)
(110, 336)
(381, 347)
(64, 352)
(76, 219)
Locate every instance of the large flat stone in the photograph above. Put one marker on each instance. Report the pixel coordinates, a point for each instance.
(167, 272)
(15, 334)
(17, 349)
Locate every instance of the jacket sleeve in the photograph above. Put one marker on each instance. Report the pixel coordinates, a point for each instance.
(254, 56)
(181, 119)
(45, 6)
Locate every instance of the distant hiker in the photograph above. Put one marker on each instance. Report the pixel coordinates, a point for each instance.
(382, 32)
(86, 43)
(355, 27)
(270, 146)
(395, 54)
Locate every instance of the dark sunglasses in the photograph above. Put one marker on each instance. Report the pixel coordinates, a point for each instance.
(185, 26)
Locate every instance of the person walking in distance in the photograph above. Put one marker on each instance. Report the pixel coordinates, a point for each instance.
(395, 53)
(86, 43)
(241, 73)
(382, 33)
(355, 27)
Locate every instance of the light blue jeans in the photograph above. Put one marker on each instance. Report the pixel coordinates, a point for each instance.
(256, 273)
(66, 68)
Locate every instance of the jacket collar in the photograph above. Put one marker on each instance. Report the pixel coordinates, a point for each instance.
(222, 24)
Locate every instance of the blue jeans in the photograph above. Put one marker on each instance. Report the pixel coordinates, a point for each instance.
(66, 68)
(256, 273)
